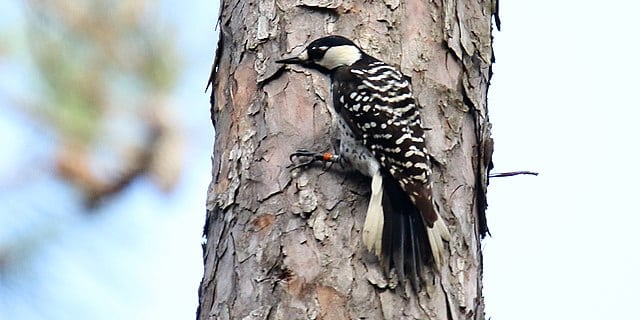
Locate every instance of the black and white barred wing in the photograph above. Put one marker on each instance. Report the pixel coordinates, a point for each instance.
(377, 103)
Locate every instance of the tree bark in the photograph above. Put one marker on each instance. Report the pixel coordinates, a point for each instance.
(286, 244)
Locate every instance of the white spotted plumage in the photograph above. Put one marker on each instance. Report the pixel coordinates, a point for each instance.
(382, 136)
(396, 141)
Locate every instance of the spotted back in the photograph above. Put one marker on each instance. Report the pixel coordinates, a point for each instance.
(377, 103)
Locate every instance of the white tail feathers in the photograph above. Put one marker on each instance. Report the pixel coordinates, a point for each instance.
(374, 221)
(436, 234)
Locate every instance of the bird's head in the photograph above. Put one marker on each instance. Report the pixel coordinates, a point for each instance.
(327, 54)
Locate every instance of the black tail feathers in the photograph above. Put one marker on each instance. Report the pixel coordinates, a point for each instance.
(405, 245)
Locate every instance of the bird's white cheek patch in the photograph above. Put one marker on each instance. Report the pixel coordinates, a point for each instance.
(340, 56)
(304, 56)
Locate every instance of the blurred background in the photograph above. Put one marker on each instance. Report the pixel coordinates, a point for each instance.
(106, 143)
(106, 139)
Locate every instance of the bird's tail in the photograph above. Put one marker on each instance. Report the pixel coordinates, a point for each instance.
(436, 235)
(395, 231)
(374, 221)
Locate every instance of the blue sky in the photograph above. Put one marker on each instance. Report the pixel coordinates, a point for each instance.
(562, 102)
(140, 256)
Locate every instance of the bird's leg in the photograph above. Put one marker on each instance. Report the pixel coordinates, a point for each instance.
(307, 157)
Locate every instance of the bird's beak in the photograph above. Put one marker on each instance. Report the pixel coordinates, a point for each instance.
(300, 59)
(294, 60)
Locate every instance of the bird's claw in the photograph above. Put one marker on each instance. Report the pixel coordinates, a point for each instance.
(310, 156)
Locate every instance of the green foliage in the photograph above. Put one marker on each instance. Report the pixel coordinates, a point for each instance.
(98, 57)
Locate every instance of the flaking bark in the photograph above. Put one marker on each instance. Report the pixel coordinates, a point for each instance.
(285, 244)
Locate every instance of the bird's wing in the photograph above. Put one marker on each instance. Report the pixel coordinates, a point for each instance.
(380, 109)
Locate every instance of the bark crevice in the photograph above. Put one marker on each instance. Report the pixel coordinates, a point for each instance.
(284, 244)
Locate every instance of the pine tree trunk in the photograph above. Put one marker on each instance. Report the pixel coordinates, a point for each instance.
(285, 244)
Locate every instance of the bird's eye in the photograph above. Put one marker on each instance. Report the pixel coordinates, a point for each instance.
(316, 53)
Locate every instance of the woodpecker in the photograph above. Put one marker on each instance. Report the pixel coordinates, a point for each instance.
(382, 136)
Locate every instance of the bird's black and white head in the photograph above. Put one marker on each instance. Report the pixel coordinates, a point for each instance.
(327, 54)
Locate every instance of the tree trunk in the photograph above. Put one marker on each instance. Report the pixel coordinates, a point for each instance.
(286, 244)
